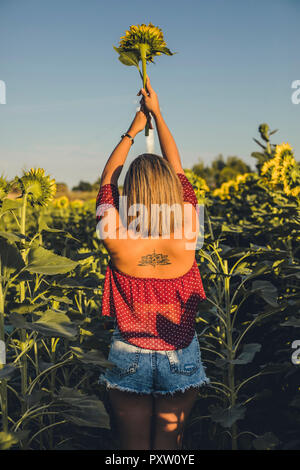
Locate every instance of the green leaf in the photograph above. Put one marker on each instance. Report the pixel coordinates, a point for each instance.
(9, 204)
(52, 323)
(91, 357)
(259, 143)
(43, 261)
(266, 290)
(85, 410)
(25, 307)
(249, 351)
(129, 58)
(166, 51)
(266, 442)
(11, 259)
(231, 228)
(260, 156)
(13, 236)
(118, 49)
(55, 324)
(293, 321)
(44, 226)
(7, 371)
(228, 416)
(242, 269)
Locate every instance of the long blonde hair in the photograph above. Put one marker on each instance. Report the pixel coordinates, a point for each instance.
(150, 179)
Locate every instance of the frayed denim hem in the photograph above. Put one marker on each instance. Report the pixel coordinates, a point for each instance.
(183, 389)
(110, 385)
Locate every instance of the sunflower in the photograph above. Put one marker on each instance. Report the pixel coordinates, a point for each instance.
(144, 40)
(226, 190)
(283, 170)
(61, 202)
(290, 176)
(199, 184)
(39, 188)
(266, 169)
(76, 204)
(245, 178)
(142, 43)
(282, 150)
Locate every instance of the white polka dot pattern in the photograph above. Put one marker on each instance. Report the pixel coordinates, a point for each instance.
(153, 313)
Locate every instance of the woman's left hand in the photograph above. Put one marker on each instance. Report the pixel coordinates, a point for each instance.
(139, 122)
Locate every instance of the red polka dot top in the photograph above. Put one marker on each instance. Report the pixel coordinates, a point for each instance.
(152, 313)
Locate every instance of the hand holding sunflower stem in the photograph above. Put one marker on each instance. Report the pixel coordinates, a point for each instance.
(150, 99)
(140, 120)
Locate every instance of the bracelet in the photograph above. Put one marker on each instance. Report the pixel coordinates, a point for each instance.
(128, 135)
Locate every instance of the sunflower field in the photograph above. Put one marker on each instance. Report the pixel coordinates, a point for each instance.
(54, 343)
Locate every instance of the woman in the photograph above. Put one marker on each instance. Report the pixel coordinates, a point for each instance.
(152, 288)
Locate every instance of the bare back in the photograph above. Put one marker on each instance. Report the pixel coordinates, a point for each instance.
(156, 257)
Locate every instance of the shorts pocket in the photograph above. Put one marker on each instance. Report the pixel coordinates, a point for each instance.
(185, 361)
(125, 356)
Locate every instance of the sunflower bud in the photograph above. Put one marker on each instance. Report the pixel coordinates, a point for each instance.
(264, 132)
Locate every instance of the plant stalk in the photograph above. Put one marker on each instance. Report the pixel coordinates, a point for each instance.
(3, 382)
(143, 51)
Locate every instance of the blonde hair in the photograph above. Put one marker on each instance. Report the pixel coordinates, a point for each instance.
(151, 180)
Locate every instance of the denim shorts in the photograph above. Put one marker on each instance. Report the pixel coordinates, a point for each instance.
(148, 371)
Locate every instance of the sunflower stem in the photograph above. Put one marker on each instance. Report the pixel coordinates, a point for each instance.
(3, 382)
(143, 51)
(22, 299)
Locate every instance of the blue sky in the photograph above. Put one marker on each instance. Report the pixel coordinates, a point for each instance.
(69, 98)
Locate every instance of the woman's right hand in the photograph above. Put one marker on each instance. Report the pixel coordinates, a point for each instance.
(150, 101)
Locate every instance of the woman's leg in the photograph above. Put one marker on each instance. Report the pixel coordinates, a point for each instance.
(132, 413)
(171, 412)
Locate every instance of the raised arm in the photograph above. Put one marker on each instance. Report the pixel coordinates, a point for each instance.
(167, 143)
(114, 164)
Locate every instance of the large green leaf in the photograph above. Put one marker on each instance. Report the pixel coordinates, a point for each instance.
(266, 290)
(51, 323)
(25, 307)
(7, 371)
(43, 226)
(248, 353)
(43, 261)
(129, 58)
(246, 356)
(93, 356)
(85, 410)
(9, 204)
(228, 416)
(165, 50)
(11, 259)
(56, 324)
(266, 442)
(13, 236)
